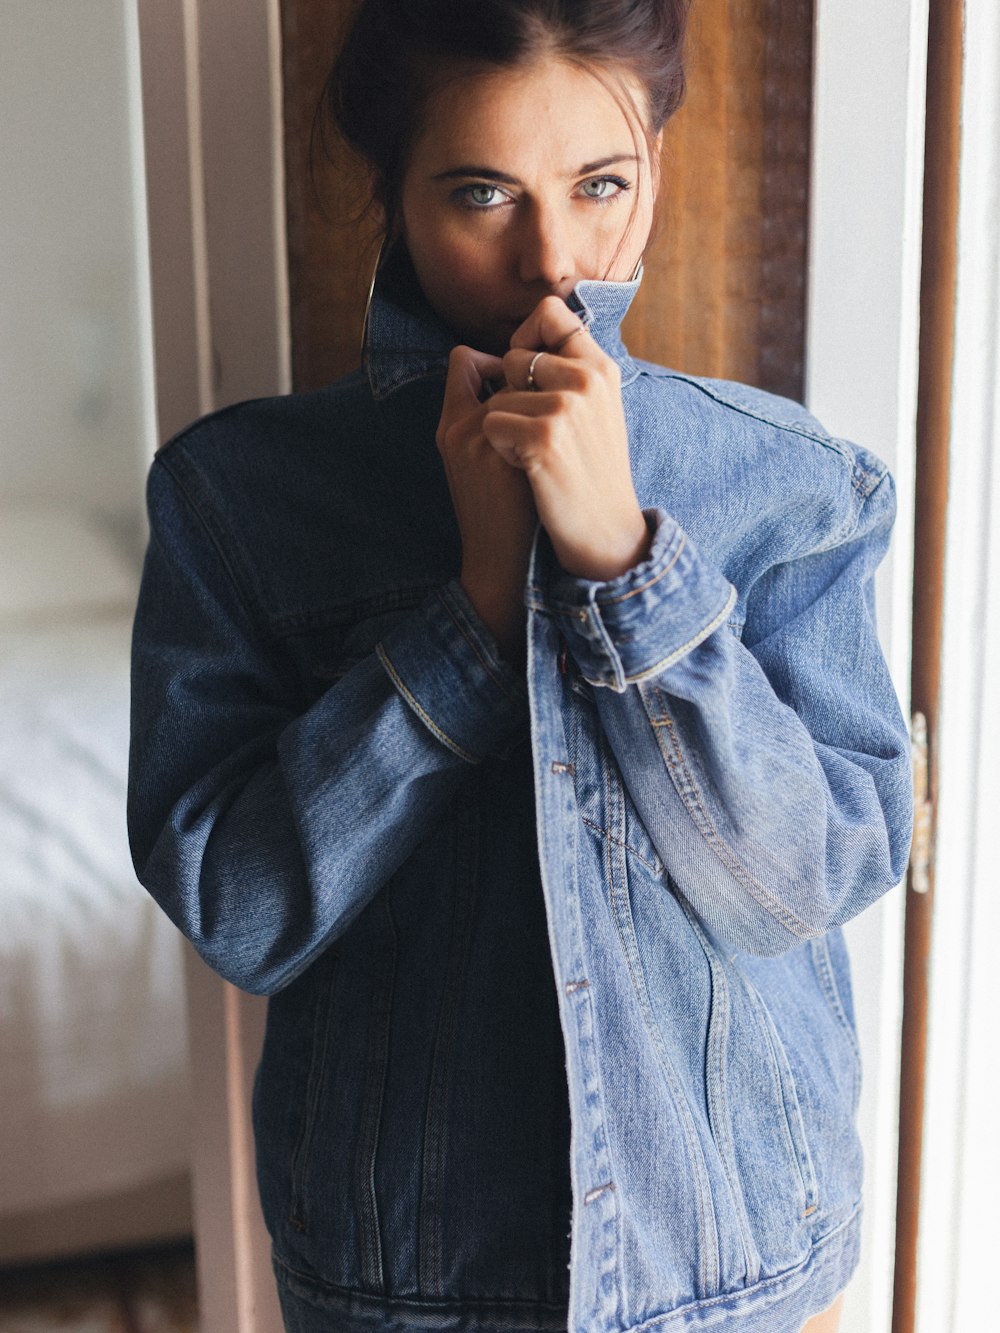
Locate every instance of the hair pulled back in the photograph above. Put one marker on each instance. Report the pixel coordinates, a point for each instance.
(397, 52)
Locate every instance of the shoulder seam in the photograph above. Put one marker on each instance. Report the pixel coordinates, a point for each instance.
(208, 525)
(831, 442)
(342, 385)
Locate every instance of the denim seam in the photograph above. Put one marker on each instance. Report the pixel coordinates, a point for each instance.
(618, 890)
(665, 663)
(832, 442)
(535, 597)
(650, 583)
(614, 662)
(314, 1089)
(683, 1313)
(783, 1073)
(376, 1075)
(342, 387)
(433, 1152)
(348, 614)
(820, 951)
(486, 1304)
(474, 646)
(852, 522)
(690, 794)
(384, 386)
(709, 1253)
(656, 869)
(425, 717)
(213, 532)
(717, 1093)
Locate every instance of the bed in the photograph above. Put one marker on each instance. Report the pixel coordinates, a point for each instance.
(94, 1089)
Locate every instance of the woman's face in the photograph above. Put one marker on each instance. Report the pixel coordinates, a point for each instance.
(521, 183)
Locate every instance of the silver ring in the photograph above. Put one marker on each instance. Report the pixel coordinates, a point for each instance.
(531, 372)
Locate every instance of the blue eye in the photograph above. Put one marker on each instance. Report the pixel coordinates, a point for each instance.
(480, 197)
(605, 188)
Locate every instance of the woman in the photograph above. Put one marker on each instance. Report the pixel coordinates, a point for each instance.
(512, 713)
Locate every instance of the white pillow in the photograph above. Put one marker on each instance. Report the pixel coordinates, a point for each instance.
(56, 560)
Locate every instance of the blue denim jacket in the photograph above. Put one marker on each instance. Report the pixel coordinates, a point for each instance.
(561, 1031)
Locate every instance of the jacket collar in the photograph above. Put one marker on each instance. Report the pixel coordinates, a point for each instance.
(406, 341)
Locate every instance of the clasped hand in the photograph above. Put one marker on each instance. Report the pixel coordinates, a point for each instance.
(557, 451)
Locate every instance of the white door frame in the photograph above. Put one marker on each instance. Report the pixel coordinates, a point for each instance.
(861, 381)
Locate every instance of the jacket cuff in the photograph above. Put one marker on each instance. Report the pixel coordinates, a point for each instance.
(446, 665)
(638, 624)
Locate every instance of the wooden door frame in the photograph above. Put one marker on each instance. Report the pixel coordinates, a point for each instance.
(934, 410)
(961, 1159)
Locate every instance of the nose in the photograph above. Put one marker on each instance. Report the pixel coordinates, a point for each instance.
(545, 250)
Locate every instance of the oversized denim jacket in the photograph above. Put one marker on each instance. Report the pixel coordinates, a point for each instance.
(622, 1095)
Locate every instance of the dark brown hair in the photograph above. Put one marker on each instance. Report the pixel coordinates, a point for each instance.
(398, 52)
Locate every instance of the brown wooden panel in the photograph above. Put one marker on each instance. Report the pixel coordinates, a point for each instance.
(938, 290)
(724, 291)
(331, 252)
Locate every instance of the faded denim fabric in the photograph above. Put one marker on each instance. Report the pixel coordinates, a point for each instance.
(561, 1032)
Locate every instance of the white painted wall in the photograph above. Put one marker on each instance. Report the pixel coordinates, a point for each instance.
(73, 405)
(862, 341)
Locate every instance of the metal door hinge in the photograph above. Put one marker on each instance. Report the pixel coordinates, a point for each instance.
(920, 849)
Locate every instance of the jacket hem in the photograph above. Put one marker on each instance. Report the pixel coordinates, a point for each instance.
(358, 1311)
(779, 1304)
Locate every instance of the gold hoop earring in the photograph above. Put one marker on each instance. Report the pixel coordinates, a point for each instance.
(371, 292)
(635, 271)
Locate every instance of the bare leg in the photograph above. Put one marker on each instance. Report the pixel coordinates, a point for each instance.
(828, 1322)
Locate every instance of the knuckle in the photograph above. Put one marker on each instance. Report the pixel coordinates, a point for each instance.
(609, 371)
(449, 436)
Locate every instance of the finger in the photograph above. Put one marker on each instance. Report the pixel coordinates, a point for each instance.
(527, 404)
(508, 448)
(467, 371)
(548, 371)
(508, 452)
(549, 326)
(518, 440)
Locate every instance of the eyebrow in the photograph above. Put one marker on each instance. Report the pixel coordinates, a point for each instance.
(502, 178)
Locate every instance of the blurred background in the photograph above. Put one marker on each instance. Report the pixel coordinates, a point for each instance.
(94, 1083)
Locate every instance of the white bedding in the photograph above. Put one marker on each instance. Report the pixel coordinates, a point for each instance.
(94, 1095)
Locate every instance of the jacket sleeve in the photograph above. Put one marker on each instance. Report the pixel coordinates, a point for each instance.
(771, 769)
(261, 829)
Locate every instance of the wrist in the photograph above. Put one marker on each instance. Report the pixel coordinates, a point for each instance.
(503, 615)
(617, 553)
